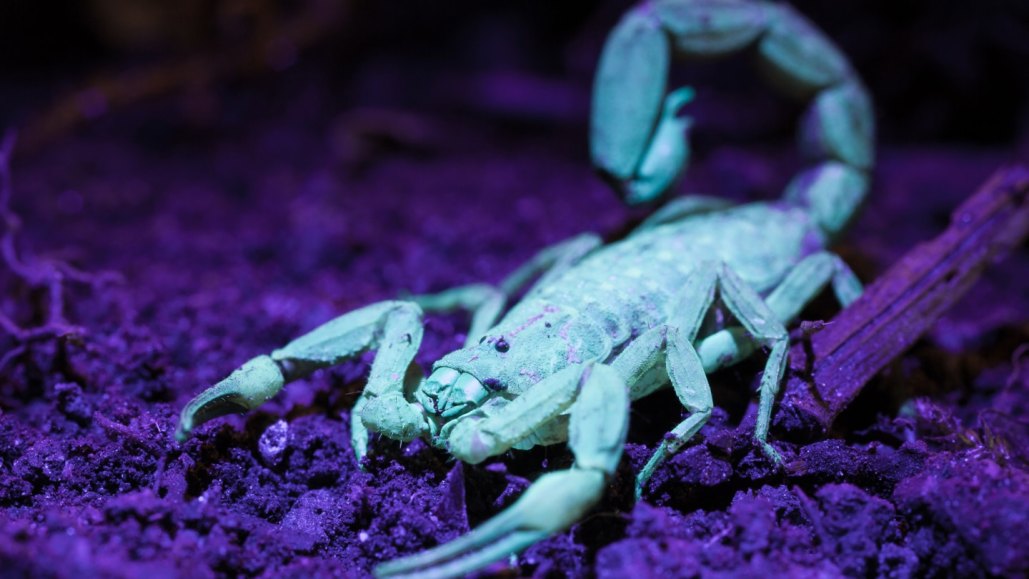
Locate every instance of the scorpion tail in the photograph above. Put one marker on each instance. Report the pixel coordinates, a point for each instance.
(832, 193)
(642, 150)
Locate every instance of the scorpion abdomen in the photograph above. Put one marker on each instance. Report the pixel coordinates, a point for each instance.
(628, 287)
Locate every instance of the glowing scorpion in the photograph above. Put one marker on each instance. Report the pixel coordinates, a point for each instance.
(604, 325)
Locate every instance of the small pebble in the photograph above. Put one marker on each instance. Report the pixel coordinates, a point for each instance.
(273, 441)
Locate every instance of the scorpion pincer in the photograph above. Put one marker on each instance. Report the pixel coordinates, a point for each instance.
(604, 325)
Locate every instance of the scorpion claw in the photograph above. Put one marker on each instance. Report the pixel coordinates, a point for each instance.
(395, 417)
(245, 389)
(554, 502)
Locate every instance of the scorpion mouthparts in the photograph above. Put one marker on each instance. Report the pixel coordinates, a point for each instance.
(464, 394)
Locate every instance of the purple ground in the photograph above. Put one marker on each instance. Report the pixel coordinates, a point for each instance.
(237, 235)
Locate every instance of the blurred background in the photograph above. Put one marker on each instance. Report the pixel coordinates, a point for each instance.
(940, 71)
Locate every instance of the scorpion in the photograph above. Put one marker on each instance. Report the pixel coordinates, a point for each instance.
(601, 325)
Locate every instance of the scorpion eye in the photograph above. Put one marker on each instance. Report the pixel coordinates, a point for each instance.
(502, 345)
(493, 384)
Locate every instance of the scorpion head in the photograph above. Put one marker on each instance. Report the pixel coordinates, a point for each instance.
(534, 341)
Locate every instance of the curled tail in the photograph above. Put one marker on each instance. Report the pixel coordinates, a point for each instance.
(637, 135)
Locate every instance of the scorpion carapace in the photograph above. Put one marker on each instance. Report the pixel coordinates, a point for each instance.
(604, 325)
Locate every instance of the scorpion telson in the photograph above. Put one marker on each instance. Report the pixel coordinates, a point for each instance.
(605, 325)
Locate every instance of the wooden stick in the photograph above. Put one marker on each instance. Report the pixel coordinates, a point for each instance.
(830, 367)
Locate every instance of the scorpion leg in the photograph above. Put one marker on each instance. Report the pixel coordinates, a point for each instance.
(486, 302)
(687, 366)
(761, 323)
(694, 392)
(550, 262)
(638, 362)
(393, 327)
(800, 286)
(808, 279)
(598, 401)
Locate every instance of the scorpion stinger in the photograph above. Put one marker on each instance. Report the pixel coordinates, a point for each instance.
(605, 325)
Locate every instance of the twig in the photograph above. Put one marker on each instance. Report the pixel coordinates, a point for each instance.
(278, 36)
(903, 303)
(149, 444)
(814, 515)
(37, 274)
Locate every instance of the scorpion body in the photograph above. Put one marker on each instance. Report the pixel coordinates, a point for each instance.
(632, 283)
(619, 292)
(699, 285)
